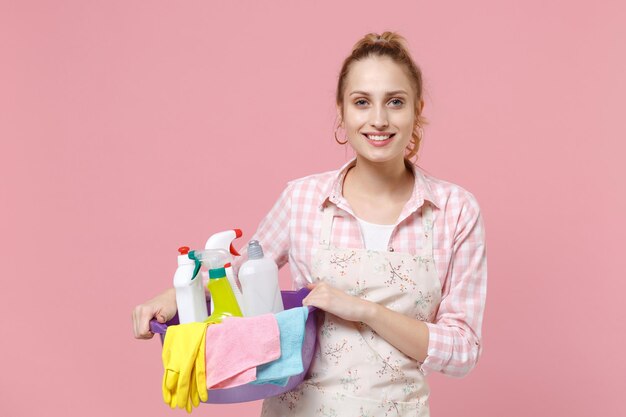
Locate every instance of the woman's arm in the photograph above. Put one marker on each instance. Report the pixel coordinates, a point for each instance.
(162, 307)
(451, 345)
(454, 345)
(408, 335)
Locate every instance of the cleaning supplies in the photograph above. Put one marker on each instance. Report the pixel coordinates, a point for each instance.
(184, 365)
(224, 241)
(222, 296)
(258, 391)
(259, 282)
(215, 260)
(238, 346)
(190, 296)
(291, 327)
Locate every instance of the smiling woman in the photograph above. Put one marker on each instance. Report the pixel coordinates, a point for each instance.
(376, 112)
(395, 258)
(404, 91)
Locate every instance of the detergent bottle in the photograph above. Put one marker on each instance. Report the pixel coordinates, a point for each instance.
(259, 282)
(222, 296)
(224, 241)
(190, 297)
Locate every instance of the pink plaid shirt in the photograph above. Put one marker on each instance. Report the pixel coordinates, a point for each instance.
(290, 233)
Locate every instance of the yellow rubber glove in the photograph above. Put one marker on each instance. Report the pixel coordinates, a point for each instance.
(181, 356)
(198, 377)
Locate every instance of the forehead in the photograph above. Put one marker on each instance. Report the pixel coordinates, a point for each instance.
(377, 75)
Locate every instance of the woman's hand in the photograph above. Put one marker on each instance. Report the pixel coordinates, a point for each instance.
(328, 298)
(162, 307)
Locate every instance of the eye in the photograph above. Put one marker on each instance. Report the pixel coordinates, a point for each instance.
(397, 102)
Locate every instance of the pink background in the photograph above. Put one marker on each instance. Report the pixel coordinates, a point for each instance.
(130, 128)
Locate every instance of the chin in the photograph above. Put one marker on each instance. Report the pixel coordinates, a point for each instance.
(380, 156)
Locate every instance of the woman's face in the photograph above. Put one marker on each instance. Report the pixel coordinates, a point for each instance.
(379, 110)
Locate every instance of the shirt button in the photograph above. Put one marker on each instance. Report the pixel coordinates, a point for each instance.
(390, 249)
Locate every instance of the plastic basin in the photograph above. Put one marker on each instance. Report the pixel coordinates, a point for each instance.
(250, 392)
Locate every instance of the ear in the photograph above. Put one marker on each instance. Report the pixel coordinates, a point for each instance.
(421, 105)
(339, 117)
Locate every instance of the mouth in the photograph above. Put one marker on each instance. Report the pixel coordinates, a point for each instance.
(379, 139)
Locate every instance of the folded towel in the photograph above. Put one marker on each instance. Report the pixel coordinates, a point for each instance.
(291, 324)
(235, 347)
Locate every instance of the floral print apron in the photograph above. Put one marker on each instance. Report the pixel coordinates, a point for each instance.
(354, 371)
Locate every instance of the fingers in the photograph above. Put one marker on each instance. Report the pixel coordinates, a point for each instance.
(167, 396)
(202, 389)
(193, 391)
(200, 375)
(187, 405)
(142, 314)
(160, 318)
(319, 290)
(182, 390)
(172, 380)
(316, 281)
(162, 307)
(174, 401)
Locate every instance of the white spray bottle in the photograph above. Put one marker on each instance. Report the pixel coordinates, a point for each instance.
(259, 283)
(224, 240)
(190, 296)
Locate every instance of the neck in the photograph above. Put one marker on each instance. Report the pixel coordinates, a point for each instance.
(381, 178)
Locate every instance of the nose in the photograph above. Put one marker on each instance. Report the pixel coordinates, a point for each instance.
(379, 120)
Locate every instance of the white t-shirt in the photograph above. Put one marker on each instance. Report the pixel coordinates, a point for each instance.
(376, 236)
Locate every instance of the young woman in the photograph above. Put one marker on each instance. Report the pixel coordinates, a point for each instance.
(394, 257)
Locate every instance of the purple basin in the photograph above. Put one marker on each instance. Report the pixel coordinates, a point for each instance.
(250, 392)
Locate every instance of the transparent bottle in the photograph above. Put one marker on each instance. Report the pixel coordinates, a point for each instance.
(222, 296)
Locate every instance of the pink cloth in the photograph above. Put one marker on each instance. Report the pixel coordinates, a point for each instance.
(290, 232)
(235, 347)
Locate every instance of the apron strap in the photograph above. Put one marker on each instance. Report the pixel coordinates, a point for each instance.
(327, 225)
(427, 222)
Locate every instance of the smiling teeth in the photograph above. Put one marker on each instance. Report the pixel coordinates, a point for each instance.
(378, 137)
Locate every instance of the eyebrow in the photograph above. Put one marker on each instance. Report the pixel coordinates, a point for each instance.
(389, 93)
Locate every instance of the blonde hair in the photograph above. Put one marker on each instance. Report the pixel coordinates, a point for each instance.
(394, 46)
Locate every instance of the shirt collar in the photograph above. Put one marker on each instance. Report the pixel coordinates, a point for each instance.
(421, 189)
